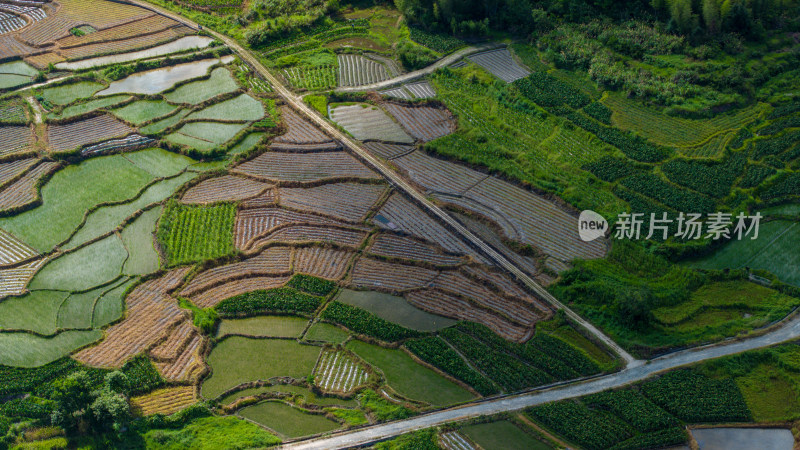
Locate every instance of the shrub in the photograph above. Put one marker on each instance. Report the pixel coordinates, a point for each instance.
(579, 424)
(709, 178)
(599, 112)
(383, 409)
(312, 285)
(418, 440)
(609, 168)
(672, 196)
(142, 375)
(633, 408)
(754, 175)
(549, 91)
(364, 322)
(279, 300)
(414, 57)
(694, 397)
(441, 43)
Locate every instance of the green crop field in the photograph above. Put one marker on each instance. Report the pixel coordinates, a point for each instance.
(138, 238)
(214, 132)
(91, 105)
(143, 111)
(269, 326)
(30, 350)
(196, 233)
(237, 360)
(286, 420)
(68, 93)
(326, 332)
(220, 82)
(502, 435)
(36, 311)
(110, 306)
(87, 267)
(246, 144)
(408, 378)
(242, 107)
(163, 124)
(159, 162)
(394, 309)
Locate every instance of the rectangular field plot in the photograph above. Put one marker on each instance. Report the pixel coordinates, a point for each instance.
(158, 43)
(75, 135)
(212, 297)
(299, 130)
(402, 247)
(242, 108)
(388, 151)
(220, 82)
(380, 275)
(10, 171)
(15, 139)
(502, 435)
(365, 122)
(394, 309)
(322, 262)
(423, 122)
(278, 166)
(87, 107)
(224, 188)
(501, 64)
(313, 234)
(421, 89)
(264, 326)
(271, 261)
(349, 202)
(339, 372)
(12, 111)
(195, 233)
(358, 70)
(214, 132)
(68, 93)
(144, 111)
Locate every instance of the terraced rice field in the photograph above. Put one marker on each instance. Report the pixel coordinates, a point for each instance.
(375, 274)
(10, 171)
(322, 262)
(164, 401)
(501, 64)
(388, 151)
(367, 122)
(348, 202)
(13, 251)
(358, 70)
(219, 82)
(188, 366)
(24, 191)
(254, 222)
(159, 80)
(150, 314)
(305, 167)
(299, 130)
(143, 111)
(338, 372)
(212, 297)
(226, 188)
(264, 326)
(420, 89)
(64, 138)
(394, 309)
(170, 40)
(438, 175)
(15, 279)
(311, 78)
(401, 247)
(312, 234)
(15, 139)
(243, 107)
(272, 261)
(422, 122)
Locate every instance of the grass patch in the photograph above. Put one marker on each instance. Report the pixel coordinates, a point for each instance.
(211, 433)
(237, 360)
(287, 420)
(242, 108)
(383, 410)
(70, 193)
(770, 395)
(68, 93)
(502, 435)
(28, 350)
(352, 417)
(410, 379)
(196, 233)
(221, 82)
(91, 266)
(318, 102)
(144, 111)
(269, 326)
(326, 332)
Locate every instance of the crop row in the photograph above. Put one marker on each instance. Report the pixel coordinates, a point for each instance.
(394, 246)
(279, 300)
(581, 425)
(321, 262)
(364, 322)
(212, 297)
(196, 233)
(254, 222)
(12, 112)
(377, 274)
(437, 353)
(225, 188)
(441, 43)
(301, 234)
(634, 409)
(775, 145)
(501, 64)
(312, 78)
(338, 372)
(680, 199)
(272, 261)
(710, 178)
(187, 367)
(610, 168)
(349, 202)
(77, 134)
(14, 139)
(548, 91)
(423, 122)
(280, 166)
(634, 147)
(24, 191)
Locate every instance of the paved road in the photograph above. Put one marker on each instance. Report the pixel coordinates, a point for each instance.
(446, 61)
(788, 331)
(399, 183)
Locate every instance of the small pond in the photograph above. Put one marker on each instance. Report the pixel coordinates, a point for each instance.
(743, 438)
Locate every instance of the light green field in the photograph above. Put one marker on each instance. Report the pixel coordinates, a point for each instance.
(18, 68)
(568, 334)
(221, 82)
(8, 81)
(287, 420)
(394, 309)
(218, 133)
(308, 396)
(190, 142)
(788, 209)
(76, 311)
(159, 162)
(138, 238)
(237, 360)
(269, 326)
(775, 250)
(70, 193)
(502, 435)
(91, 105)
(247, 144)
(770, 394)
(326, 332)
(144, 111)
(36, 311)
(211, 433)
(243, 108)
(90, 266)
(110, 307)
(64, 95)
(108, 218)
(29, 350)
(408, 378)
(161, 125)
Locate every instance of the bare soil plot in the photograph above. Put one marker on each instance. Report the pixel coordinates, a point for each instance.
(305, 234)
(393, 246)
(271, 261)
(388, 151)
(299, 130)
(13, 250)
(384, 276)
(188, 366)
(15, 139)
(438, 302)
(438, 175)
(119, 46)
(339, 372)
(24, 191)
(349, 202)
(75, 135)
(368, 122)
(358, 70)
(423, 122)
(267, 198)
(10, 47)
(164, 401)
(251, 223)
(148, 25)
(322, 262)
(16, 279)
(304, 167)
(150, 314)
(175, 343)
(10, 171)
(212, 297)
(501, 64)
(224, 188)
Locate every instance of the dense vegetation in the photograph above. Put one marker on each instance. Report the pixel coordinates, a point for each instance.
(364, 322)
(196, 233)
(279, 300)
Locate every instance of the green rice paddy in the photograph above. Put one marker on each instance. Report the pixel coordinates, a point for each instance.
(268, 326)
(288, 420)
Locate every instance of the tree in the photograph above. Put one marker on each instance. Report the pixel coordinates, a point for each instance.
(681, 14)
(711, 15)
(72, 396)
(117, 382)
(634, 307)
(110, 411)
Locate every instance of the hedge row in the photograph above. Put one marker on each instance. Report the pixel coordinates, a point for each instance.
(283, 300)
(312, 285)
(436, 352)
(609, 168)
(680, 199)
(364, 322)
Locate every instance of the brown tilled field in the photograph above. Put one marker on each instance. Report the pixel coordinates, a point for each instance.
(305, 167)
(322, 262)
(164, 401)
(394, 246)
(349, 202)
(212, 297)
(24, 191)
(425, 123)
(221, 189)
(74, 135)
(15, 139)
(271, 261)
(299, 130)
